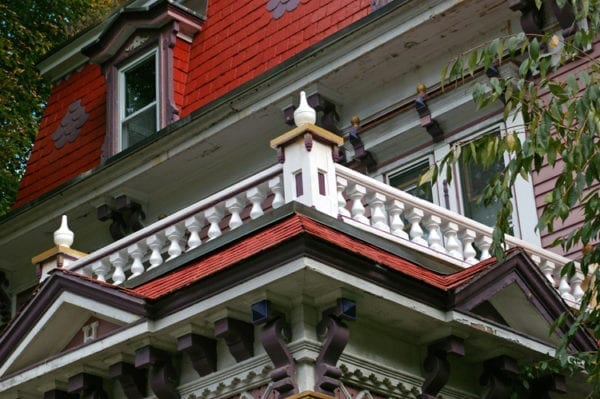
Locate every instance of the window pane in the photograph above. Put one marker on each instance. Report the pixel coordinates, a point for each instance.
(408, 181)
(139, 127)
(474, 179)
(140, 86)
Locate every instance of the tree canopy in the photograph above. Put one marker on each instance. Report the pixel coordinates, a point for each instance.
(561, 114)
(28, 30)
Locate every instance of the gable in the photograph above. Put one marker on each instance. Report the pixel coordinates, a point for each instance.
(66, 311)
(515, 293)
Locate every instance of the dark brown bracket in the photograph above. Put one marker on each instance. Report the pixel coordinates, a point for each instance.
(336, 335)
(437, 366)
(132, 380)
(126, 216)
(238, 335)
(363, 160)
(531, 17)
(88, 386)
(5, 302)
(163, 374)
(499, 375)
(58, 394)
(430, 124)
(541, 387)
(274, 337)
(201, 350)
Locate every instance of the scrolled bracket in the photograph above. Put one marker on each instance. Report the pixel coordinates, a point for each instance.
(437, 366)
(163, 375)
(336, 335)
(274, 337)
(499, 375)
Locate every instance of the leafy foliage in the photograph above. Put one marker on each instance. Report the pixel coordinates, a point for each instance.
(561, 114)
(28, 30)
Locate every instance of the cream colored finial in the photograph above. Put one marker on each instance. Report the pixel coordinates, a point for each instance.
(64, 236)
(304, 114)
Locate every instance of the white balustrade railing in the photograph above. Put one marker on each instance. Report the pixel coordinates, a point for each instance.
(184, 230)
(371, 204)
(362, 201)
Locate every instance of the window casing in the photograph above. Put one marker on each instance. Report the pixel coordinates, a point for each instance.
(139, 100)
(467, 184)
(139, 89)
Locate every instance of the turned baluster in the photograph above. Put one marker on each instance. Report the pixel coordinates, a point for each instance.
(576, 282)
(276, 187)
(565, 289)
(155, 243)
(341, 185)
(256, 196)
(434, 239)
(137, 251)
(395, 209)
(118, 261)
(175, 236)
(547, 267)
(234, 206)
(484, 244)
(452, 244)
(101, 268)
(194, 225)
(214, 214)
(470, 254)
(414, 216)
(356, 192)
(378, 218)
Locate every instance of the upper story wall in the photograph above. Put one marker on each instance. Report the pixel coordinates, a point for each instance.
(237, 43)
(61, 154)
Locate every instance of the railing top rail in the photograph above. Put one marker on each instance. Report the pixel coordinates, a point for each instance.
(410, 200)
(177, 217)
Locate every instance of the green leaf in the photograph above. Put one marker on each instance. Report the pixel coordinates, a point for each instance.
(534, 49)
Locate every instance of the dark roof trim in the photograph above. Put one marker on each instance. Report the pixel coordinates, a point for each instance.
(58, 282)
(131, 19)
(519, 269)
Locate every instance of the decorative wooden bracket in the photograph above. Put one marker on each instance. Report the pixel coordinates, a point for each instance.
(531, 17)
(5, 302)
(126, 216)
(499, 374)
(238, 335)
(88, 386)
(58, 394)
(274, 336)
(336, 335)
(163, 375)
(201, 350)
(541, 387)
(437, 366)
(132, 380)
(363, 161)
(430, 124)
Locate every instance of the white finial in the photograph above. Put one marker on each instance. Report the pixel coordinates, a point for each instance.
(304, 113)
(63, 236)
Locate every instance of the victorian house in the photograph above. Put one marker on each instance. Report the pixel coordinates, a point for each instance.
(222, 202)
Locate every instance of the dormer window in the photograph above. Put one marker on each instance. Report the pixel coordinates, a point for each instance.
(138, 100)
(135, 50)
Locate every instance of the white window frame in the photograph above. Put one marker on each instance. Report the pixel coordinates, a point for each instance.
(524, 208)
(121, 101)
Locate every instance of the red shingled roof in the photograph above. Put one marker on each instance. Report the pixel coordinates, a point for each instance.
(285, 230)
